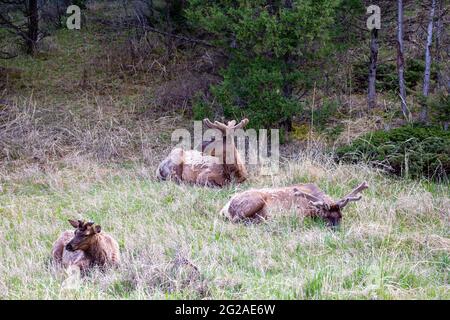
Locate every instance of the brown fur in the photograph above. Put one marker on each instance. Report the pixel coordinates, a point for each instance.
(255, 204)
(86, 247)
(203, 167)
(66, 258)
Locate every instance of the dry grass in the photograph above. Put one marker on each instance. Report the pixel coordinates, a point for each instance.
(97, 127)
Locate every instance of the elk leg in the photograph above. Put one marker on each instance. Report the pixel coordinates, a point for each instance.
(208, 178)
(261, 215)
(176, 173)
(248, 208)
(202, 178)
(171, 168)
(170, 171)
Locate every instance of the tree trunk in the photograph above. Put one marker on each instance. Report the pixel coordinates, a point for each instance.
(33, 26)
(400, 60)
(426, 78)
(438, 58)
(371, 95)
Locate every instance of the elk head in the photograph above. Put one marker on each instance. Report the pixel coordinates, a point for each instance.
(330, 211)
(84, 235)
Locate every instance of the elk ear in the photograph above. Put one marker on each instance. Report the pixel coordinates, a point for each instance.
(74, 223)
(97, 229)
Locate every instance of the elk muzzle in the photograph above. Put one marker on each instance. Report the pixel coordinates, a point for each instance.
(334, 223)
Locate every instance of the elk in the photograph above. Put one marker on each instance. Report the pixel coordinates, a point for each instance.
(309, 200)
(212, 168)
(88, 246)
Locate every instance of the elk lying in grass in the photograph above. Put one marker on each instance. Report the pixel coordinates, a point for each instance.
(205, 168)
(307, 198)
(88, 246)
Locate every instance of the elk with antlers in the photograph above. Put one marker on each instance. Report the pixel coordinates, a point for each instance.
(308, 199)
(214, 168)
(86, 247)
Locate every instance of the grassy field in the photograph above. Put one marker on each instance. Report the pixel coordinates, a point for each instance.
(82, 137)
(393, 244)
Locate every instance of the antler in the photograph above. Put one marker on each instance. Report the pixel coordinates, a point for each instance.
(353, 196)
(241, 124)
(223, 127)
(215, 125)
(314, 201)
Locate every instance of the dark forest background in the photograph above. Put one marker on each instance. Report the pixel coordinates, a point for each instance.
(311, 68)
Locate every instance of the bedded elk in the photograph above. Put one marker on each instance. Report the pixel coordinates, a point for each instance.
(217, 167)
(308, 199)
(88, 246)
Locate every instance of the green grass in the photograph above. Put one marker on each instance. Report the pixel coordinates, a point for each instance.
(389, 247)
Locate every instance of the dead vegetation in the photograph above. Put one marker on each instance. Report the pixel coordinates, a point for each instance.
(34, 133)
